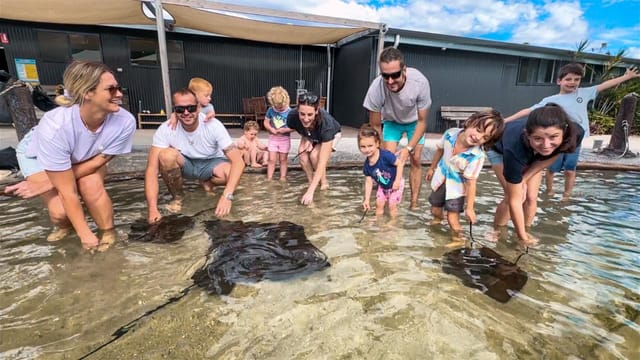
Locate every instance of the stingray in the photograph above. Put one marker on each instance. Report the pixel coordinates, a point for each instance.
(485, 270)
(169, 229)
(250, 252)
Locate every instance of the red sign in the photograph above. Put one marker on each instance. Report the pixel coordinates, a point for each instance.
(4, 38)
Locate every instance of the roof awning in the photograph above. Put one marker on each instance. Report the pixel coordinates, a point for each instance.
(249, 29)
(235, 21)
(196, 15)
(80, 12)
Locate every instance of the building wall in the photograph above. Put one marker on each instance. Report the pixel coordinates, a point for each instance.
(457, 77)
(239, 68)
(236, 68)
(351, 80)
(466, 78)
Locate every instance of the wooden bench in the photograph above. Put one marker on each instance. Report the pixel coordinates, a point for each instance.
(157, 119)
(459, 113)
(231, 119)
(151, 119)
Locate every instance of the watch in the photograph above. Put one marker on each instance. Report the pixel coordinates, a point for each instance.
(228, 196)
(410, 148)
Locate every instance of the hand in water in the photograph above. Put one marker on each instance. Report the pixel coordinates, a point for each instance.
(90, 242)
(307, 198)
(28, 189)
(224, 207)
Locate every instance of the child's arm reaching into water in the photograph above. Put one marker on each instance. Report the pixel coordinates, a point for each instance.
(470, 191)
(368, 186)
(434, 164)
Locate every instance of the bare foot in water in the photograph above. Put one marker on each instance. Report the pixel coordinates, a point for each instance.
(58, 233)
(565, 197)
(107, 239)
(455, 243)
(324, 185)
(414, 205)
(256, 165)
(492, 235)
(529, 241)
(175, 206)
(207, 186)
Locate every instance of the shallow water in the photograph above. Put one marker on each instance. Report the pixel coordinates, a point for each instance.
(382, 298)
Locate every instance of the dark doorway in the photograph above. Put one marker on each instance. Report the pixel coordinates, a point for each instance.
(3, 60)
(5, 118)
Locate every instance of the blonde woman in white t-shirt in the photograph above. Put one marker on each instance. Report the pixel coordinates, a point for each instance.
(64, 157)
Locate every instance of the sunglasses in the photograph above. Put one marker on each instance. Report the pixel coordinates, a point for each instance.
(310, 99)
(180, 109)
(113, 90)
(393, 76)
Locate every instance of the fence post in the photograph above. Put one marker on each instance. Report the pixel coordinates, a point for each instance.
(20, 107)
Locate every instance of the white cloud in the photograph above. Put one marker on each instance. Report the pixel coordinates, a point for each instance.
(457, 17)
(633, 52)
(559, 24)
(552, 23)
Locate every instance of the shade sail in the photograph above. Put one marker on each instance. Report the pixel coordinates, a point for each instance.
(248, 29)
(81, 12)
(129, 12)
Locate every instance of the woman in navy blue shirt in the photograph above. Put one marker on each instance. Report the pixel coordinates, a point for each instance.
(318, 130)
(527, 147)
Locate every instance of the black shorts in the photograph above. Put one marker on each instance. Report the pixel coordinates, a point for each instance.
(438, 199)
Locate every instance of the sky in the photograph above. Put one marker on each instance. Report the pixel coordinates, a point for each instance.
(608, 25)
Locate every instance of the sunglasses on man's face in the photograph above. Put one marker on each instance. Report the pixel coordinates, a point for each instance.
(113, 90)
(310, 99)
(393, 75)
(180, 109)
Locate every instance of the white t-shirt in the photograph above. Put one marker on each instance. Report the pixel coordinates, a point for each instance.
(61, 139)
(401, 107)
(207, 141)
(574, 104)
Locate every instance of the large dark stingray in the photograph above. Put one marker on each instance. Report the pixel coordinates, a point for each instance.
(485, 270)
(169, 229)
(250, 252)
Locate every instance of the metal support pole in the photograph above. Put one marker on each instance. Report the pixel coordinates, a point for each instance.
(164, 60)
(381, 34)
(329, 75)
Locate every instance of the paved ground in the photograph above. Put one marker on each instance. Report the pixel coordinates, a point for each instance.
(346, 155)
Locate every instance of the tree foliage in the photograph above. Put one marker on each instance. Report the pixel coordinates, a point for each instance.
(602, 116)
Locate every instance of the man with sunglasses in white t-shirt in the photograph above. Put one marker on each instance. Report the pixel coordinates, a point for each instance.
(400, 99)
(194, 150)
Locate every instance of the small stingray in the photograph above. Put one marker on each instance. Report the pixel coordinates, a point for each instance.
(251, 252)
(485, 270)
(169, 229)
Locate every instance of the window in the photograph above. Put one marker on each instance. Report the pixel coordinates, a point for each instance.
(85, 47)
(543, 72)
(54, 46)
(62, 47)
(537, 71)
(144, 52)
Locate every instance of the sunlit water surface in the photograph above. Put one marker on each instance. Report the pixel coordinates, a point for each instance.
(382, 298)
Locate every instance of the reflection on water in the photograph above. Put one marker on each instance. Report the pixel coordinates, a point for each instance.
(383, 297)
